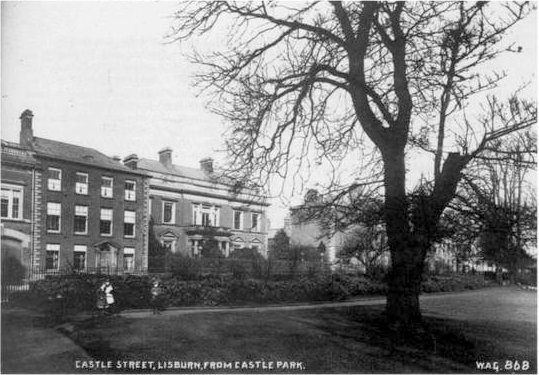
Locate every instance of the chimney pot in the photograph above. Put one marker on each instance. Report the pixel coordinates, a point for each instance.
(165, 157)
(206, 165)
(131, 161)
(26, 136)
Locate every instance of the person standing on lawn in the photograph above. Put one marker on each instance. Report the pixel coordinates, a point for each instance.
(156, 291)
(105, 298)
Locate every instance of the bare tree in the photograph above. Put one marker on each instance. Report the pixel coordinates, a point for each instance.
(301, 84)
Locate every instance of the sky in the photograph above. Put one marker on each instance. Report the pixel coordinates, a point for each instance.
(101, 75)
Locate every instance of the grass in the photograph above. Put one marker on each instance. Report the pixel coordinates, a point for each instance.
(331, 340)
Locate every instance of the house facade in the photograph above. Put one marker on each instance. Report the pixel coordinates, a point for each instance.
(89, 210)
(20, 192)
(190, 206)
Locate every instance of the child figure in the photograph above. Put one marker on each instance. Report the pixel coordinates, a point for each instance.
(105, 298)
(155, 300)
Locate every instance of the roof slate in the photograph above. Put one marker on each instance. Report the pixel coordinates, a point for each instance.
(77, 154)
(176, 170)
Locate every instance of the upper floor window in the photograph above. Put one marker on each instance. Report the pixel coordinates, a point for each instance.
(205, 215)
(238, 220)
(80, 223)
(105, 222)
(54, 213)
(169, 212)
(255, 222)
(106, 187)
(150, 204)
(55, 179)
(11, 205)
(81, 183)
(130, 193)
(129, 223)
(79, 257)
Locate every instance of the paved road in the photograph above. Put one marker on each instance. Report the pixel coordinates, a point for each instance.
(519, 305)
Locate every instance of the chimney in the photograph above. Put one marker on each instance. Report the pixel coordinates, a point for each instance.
(206, 165)
(131, 161)
(27, 133)
(165, 157)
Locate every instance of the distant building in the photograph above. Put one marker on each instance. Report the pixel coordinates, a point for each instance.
(190, 206)
(19, 180)
(88, 211)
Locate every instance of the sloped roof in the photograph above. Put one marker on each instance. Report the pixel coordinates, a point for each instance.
(77, 154)
(14, 152)
(176, 170)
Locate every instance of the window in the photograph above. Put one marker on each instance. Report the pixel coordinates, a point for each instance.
(52, 257)
(129, 223)
(105, 222)
(129, 259)
(81, 183)
(207, 216)
(54, 212)
(255, 222)
(79, 257)
(130, 194)
(80, 225)
(55, 179)
(106, 187)
(169, 212)
(238, 220)
(12, 202)
(150, 203)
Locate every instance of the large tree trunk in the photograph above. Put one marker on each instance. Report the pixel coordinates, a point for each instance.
(407, 254)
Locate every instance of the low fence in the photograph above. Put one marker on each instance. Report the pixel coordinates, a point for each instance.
(22, 282)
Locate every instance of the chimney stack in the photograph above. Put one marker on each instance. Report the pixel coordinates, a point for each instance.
(206, 165)
(131, 161)
(165, 157)
(26, 137)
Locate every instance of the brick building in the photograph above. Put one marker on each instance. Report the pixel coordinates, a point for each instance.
(90, 210)
(19, 176)
(190, 205)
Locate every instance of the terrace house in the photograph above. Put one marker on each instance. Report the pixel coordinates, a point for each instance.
(190, 206)
(91, 213)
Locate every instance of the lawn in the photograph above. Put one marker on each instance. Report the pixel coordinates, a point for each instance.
(494, 325)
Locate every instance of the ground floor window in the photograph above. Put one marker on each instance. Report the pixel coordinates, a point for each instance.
(79, 257)
(129, 259)
(52, 257)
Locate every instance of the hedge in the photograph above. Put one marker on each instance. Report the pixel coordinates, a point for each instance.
(78, 292)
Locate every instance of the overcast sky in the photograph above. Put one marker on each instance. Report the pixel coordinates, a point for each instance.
(98, 74)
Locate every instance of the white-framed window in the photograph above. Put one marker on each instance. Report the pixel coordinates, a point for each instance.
(150, 204)
(54, 217)
(81, 183)
(206, 215)
(105, 222)
(129, 259)
(80, 222)
(169, 212)
(130, 190)
(255, 222)
(238, 220)
(79, 257)
(106, 186)
(129, 223)
(54, 181)
(11, 206)
(52, 257)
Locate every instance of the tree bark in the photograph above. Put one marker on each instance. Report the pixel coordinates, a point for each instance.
(407, 253)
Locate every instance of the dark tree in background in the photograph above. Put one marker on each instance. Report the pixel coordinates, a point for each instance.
(301, 84)
(156, 252)
(280, 247)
